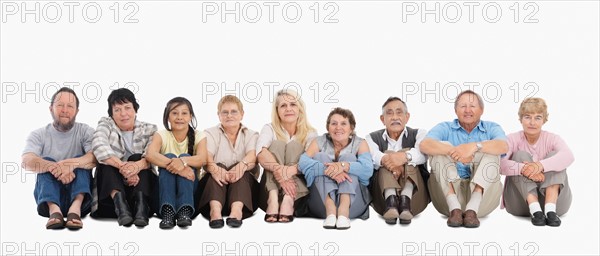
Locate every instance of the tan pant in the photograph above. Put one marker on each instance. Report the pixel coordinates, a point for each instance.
(384, 179)
(485, 172)
(285, 154)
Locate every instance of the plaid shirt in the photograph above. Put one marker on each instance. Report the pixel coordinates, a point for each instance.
(108, 141)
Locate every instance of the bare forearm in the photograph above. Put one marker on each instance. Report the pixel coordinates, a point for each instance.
(267, 160)
(433, 147)
(494, 147)
(34, 163)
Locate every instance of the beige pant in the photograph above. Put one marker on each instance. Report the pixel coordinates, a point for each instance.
(286, 154)
(384, 179)
(485, 172)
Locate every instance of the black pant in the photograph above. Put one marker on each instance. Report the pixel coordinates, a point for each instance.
(108, 178)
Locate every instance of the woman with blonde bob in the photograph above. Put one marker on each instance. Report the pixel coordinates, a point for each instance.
(535, 166)
(278, 148)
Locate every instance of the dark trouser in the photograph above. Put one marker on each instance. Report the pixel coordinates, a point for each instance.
(108, 178)
(244, 190)
(49, 189)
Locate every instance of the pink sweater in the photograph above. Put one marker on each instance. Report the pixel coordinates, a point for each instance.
(546, 143)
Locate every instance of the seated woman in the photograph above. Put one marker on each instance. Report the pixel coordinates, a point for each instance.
(535, 166)
(231, 186)
(178, 151)
(278, 149)
(337, 167)
(124, 179)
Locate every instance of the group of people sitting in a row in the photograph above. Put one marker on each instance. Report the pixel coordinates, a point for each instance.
(334, 176)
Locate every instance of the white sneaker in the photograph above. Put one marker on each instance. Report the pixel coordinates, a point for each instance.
(330, 221)
(342, 222)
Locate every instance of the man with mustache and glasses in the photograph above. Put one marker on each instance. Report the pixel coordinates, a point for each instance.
(60, 153)
(399, 184)
(465, 163)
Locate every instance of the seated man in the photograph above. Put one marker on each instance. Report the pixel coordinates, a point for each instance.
(399, 184)
(465, 163)
(61, 154)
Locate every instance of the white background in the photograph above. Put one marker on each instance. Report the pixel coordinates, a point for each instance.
(375, 50)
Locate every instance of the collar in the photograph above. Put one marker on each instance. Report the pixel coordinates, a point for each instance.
(387, 137)
(456, 125)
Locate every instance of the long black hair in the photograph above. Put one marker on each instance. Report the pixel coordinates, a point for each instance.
(191, 134)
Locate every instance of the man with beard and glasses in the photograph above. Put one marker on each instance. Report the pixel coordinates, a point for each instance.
(61, 155)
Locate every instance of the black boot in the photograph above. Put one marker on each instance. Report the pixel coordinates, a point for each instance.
(168, 217)
(184, 216)
(141, 210)
(122, 210)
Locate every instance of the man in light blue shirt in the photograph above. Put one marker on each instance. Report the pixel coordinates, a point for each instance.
(465, 162)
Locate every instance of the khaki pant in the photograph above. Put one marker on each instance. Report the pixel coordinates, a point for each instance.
(485, 172)
(384, 179)
(285, 154)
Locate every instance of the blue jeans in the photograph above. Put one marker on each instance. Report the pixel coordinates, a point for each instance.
(175, 190)
(49, 189)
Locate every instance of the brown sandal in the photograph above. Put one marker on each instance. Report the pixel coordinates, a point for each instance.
(55, 225)
(71, 224)
(271, 218)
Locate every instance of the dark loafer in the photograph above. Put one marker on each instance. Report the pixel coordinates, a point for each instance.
(218, 223)
(455, 219)
(405, 212)
(538, 219)
(470, 219)
(391, 210)
(233, 222)
(552, 219)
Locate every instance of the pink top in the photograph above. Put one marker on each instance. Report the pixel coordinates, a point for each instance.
(546, 143)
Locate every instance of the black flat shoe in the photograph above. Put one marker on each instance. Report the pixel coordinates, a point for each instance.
(168, 217)
(234, 223)
(552, 219)
(218, 223)
(184, 218)
(538, 219)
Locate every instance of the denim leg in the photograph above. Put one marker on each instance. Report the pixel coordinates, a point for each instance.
(167, 185)
(185, 191)
(47, 189)
(82, 184)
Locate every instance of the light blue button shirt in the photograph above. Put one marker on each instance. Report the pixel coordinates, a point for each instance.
(452, 132)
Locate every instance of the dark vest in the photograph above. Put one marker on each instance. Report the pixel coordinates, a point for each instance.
(407, 142)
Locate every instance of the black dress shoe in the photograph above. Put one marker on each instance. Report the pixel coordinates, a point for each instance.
(404, 209)
(184, 216)
(122, 210)
(552, 219)
(538, 219)
(141, 210)
(216, 223)
(391, 210)
(233, 222)
(168, 217)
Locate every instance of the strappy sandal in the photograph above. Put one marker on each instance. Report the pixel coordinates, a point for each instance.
(271, 218)
(70, 221)
(55, 225)
(285, 218)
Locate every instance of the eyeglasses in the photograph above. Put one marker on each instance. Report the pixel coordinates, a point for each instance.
(226, 113)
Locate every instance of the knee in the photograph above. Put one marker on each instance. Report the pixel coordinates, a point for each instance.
(135, 157)
(322, 157)
(347, 158)
(170, 155)
(521, 156)
(184, 154)
(49, 159)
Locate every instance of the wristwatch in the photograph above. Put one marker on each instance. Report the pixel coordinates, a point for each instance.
(408, 156)
(184, 163)
(479, 146)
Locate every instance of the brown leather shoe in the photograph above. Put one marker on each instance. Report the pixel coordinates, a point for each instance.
(404, 209)
(470, 219)
(455, 219)
(391, 210)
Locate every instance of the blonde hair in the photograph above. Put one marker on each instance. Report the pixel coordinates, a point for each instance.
(303, 127)
(230, 99)
(533, 105)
